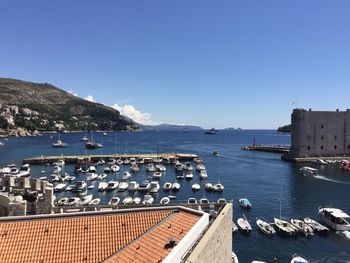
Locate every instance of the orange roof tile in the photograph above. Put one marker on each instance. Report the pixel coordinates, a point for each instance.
(116, 237)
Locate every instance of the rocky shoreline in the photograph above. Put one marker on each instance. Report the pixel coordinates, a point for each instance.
(18, 132)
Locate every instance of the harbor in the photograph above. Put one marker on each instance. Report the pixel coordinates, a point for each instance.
(242, 173)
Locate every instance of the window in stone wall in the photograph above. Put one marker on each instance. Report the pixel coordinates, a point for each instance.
(335, 137)
(335, 147)
(321, 126)
(322, 147)
(308, 147)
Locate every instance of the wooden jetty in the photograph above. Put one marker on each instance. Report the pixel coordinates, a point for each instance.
(267, 148)
(95, 158)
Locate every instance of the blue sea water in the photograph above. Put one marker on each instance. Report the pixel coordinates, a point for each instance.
(259, 176)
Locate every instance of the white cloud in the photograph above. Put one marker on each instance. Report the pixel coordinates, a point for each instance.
(72, 92)
(90, 98)
(134, 114)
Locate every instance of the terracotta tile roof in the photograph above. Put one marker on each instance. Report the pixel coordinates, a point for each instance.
(118, 237)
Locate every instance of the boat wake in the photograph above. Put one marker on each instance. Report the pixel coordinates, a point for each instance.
(321, 177)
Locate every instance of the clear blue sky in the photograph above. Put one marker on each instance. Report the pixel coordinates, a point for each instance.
(209, 63)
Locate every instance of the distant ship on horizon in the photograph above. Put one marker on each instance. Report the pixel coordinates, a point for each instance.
(211, 131)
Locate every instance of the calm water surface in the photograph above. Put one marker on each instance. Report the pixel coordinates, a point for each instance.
(255, 175)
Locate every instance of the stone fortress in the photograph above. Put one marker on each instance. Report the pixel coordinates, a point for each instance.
(319, 134)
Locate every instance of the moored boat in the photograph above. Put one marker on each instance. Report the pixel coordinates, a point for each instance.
(285, 227)
(147, 200)
(245, 203)
(243, 224)
(165, 200)
(302, 227)
(335, 218)
(298, 259)
(316, 226)
(196, 187)
(114, 201)
(265, 227)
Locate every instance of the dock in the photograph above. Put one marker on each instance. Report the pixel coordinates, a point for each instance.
(72, 159)
(267, 148)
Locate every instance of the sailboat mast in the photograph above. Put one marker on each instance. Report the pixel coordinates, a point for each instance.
(281, 199)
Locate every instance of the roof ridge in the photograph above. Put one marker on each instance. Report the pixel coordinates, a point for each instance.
(174, 212)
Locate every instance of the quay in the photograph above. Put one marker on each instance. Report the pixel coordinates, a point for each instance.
(69, 159)
(267, 148)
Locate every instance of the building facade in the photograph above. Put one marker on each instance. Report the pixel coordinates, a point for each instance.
(320, 134)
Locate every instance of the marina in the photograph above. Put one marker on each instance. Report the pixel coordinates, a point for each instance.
(239, 172)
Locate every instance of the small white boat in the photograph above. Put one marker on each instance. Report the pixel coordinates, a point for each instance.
(245, 203)
(91, 176)
(150, 168)
(154, 187)
(123, 186)
(102, 186)
(126, 161)
(203, 175)
(265, 227)
(160, 168)
(85, 200)
(95, 201)
(192, 200)
(92, 169)
(102, 176)
(134, 168)
(56, 169)
(285, 227)
(133, 186)
(302, 227)
(234, 258)
(176, 186)
(196, 187)
(200, 167)
(127, 200)
(221, 201)
(61, 162)
(320, 161)
(165, 200)
(298, 259)
(147, 200)
(126, 175)
(107, 170)
(204, 201)
(187, 166)
(316, 226)
(178, 167)
(189, 176)
(144, 186)
(63, 201)
(91, 187)
(136, 200)
(112, 185)
(218, 187)
(80, 186)
(73, 201)
(335, 218)
(60, 187)
(309, 171)
(115, 168)
(171, 197)
(180, 176)
(243, 224)
(209, 187)
(43, 178)
(111, 161)
(70, 187)
(115, 200)
(167, 186)
(157, 175)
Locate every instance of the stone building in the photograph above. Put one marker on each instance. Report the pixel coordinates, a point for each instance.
(319, 134)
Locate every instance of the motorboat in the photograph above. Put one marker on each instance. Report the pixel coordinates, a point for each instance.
(244, 202)
(56, 169)
(160, 168)
(265, 227)
(101, 161)
(123, 186)
(157, 175)
(73, 201)
(63, 201)
(178, 167)
(119, 161)
(132, 161)
(316, 226)
(165, 200)
(175, 187)
(14, 170)
(335, 218)
(196, 187)
(102, 176)
(104, 134)
(60, 187)
(234, 227)
(308, 171)
(167, 186)
(209, 186)
(92, 145)
(91, 176)
(25, 170)
(188, 166)
(320, 161)
(221, 201)
(154, 187)
(204, 201)
(133, 186)
(234, 258)
(150, 168)
(70, 187)
(211, 131)
(61, 162)
(136, 200)
(180, 177)
(80, 186)
(157, 160)
(148, 200)
(59, 144)
(92, 169)
(172, 197)
(115, 168)
(85, 200)
(189, 176)
(111, 161)
(298, 259)
(107, 169)
(64, 177)
(102, 186)
(200, 167)
(192, 200)
(134, 168)
(218, 187)
(126, 161)
(126, 175)
(166, 160)
(285, 227)
(215, 152)
(70, 178)
(95, 201)
(91, 187)
(302, 227)
(112, 185)
(115, 200)
(127, 200)
(144, 186)
(203, 175)
(243, 224)
(54, 178)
